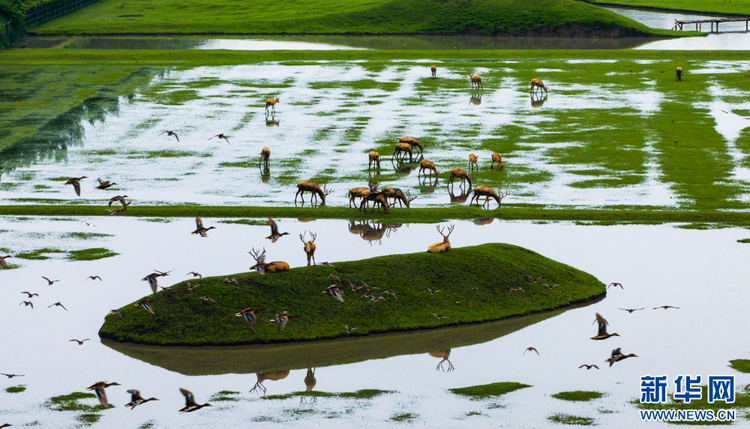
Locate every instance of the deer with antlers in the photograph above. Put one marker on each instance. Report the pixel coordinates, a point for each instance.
(374, 158)
(402, 149)
(487, 192)
(476, 80)
(314, 188)
(262, 267)
(377, 198)
(444, 245)
(398, 196)
(427, 165)
(496, 158)
(272, 104)
(412, 142)
(473, 162)
(265, 155)
(461, 174)
(433, 69)
(537, 84)
(357, 192)
(309, 246)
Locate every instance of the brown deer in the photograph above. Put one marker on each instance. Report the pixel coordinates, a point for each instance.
(679, 74)
(309, 246)
(399, 196)
(377, 198)
(473, 161)
(265, 155)
(461, 174)
(443, 246)
(263, 376)
(442, 354)
(496, 158)
(262, 267)
(357, 192)
(537, 84)
(412, 142)
(487, 192)
(272, 104)
(433, 69)
(374, 157)
(476, 80)
(403, 149)
(427, 165)
(312, 187)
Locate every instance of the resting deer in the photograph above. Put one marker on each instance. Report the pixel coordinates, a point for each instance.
(312, 187)
(496, 158)
(374, 157)
(487, 192)
(442, 354)
(402, 148)
(443, 246)
(433, 69)
(461, 174)
(263, 376)
(476, 80)
(272, 104)
(262, 267)
(399, 196)
(412, 142)
(377, 198)
(473, 161)
(265, 155)
(357, 192)
(679, 74)
(537, 84)
(309, 246)
(427, 165)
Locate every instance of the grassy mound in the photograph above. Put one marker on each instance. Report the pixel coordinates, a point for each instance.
(566, 18)
(183, 318)
(741, 365)
(486, 390)
(578, 395)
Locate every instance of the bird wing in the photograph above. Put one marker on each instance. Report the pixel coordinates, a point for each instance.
(274, 227)
(148, 308)
(102, 396)
(252, 323)
(594, 366)
(3, 263)
(48, 280)
(152, 282)
(175, 136)
(62, 306)
(282, 323)
(189, 398)
(77, 187)
(198, 223)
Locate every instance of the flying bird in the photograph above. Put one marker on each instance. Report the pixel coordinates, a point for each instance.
(94, 278)
(282, 319)
(534, 279)
(665, 307)
(231, 280)
(531, 349)
(2, 260)
(31, 295)
(151, 278)
(80, 342)
(195, 274)
(58, 304)
(98, 388)
(432, 292)
(615, 285)
(146, 305)
(76, 185)
(618, 356)
(349, 330)
(51, 282)
(170, 134)
(516, 289)
(275, 234)
(208, 298)
(117, 312)
(11, 375)
(28, 303)
(631, 310)
(199, 229)
(588, 367)
(136, 399)
(190, 404)
(221, 136)
(336, 292)
(249, 315)
(104, 184)
(602, 333)
(439, 316)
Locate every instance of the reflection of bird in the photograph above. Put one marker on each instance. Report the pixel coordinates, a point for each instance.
(531, 349)
(11, 375)
(231, 280)
(250, 317)
(665, 307)
(80, 342)
(275, 234)
(2, 260)
(336, 292)
(136, 399)
(615, 285)
(28, 303)
(104, 184)
(76, 185)
(208, 298)
(602, 334)
(517, 289)
(51, 282)
(349, 330)
(31, 295)
(94, 278)
(534, 279)
(170, 134)
(190, 404)
(195, 274)
(282, 319)
(146, 305)
(98, 388)
(117, 312)
(618, 356)
(199, 229)
(432, 292)
(221, 136)
(58, 304)
(588, 366)
(439, 316)
(631, 310)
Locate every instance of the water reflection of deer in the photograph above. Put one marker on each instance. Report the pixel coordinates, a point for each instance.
(537, 100)
(476, 99)
(371, 231)
(263, 376)
(461, 198)
(405, 168)
(443, 354)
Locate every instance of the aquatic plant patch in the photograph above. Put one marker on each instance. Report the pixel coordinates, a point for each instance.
(485, 391)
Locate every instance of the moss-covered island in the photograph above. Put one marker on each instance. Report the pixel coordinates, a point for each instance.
(475, 284)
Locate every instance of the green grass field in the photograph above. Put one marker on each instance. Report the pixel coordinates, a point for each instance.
(484, 17)
(734, 7)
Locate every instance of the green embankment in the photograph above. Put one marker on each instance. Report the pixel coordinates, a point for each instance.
(733, 7)
(492, 268)
(483, 17)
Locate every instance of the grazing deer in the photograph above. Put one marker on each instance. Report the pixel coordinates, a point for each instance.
(399, 196)
(265, 155)
(272, 104)
(461, 174)
(402, 148)
(442, 354)
(476, 99)
(487, 192)
(374, 157)
(357, 192)
(473, 162)
(262, 267)
(496, 158)
(679, 74)
(309, 246)
(443, 246)
(537, 84)
(263, 376)
(476, 80)
(312, 187)
(412, 142)
(427, 165)
(433, 69)
(377, 198)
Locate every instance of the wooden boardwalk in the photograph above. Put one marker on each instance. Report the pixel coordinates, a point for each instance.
(714, 22)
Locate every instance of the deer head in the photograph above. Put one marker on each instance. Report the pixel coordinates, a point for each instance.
(450, 230)
(313, 236)
(260, 257)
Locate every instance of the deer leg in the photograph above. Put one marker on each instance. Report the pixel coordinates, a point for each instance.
(313, 258)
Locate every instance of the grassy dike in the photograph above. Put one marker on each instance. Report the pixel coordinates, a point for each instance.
(734, 7)
(183, 318)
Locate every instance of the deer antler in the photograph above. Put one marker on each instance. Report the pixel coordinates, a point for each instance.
(258, 385)
(439, 230)
(410, 198)
(257, 255)
(314, 236)
(302, 236)
(326, 192)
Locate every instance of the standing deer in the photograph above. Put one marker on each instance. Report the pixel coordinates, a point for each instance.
(443, 246)
(272, 104)
(262, 267)
(309, 246)
(312, 187)
(265, 155)
(377, 198)
(476, 80)
(473, 161)
(487, 192)
(461, 174)
(374, 157)
(442, 354)
(402, 148)
(537, 84)
(357, 192)
(679, 74)
(427, 165)
(412, 142)
(433, 69)
(397, 195)
(496, 158)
